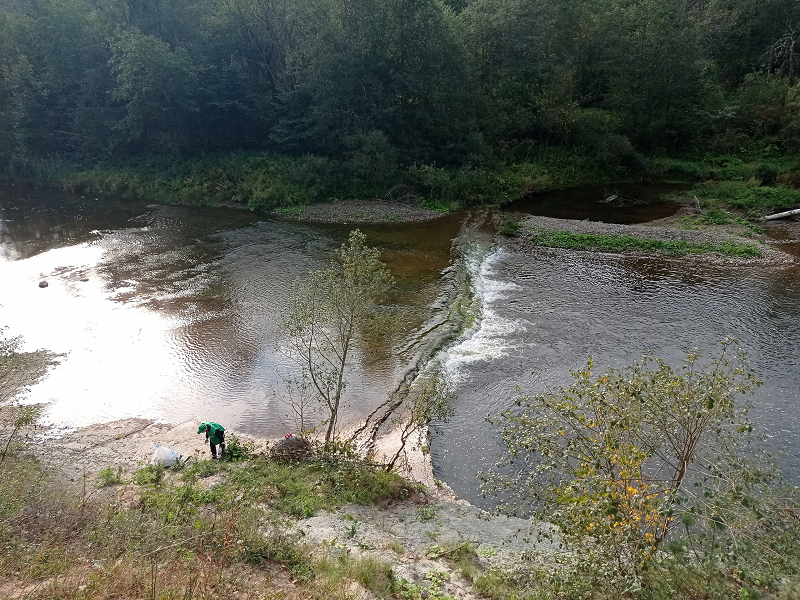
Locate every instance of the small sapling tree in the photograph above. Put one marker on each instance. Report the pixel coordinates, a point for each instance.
(301, 404)
(623, 461)
(329, 313)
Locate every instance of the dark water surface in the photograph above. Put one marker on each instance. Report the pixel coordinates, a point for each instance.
(625, 203)
(549, 310)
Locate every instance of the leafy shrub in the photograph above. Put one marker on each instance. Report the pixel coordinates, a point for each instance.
(109, 476)
(150, 475)
(599, 461)
(236, 450)
(715, 216)
(511, 228)
(766, 173)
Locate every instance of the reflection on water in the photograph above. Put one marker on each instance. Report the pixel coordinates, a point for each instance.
(176, 317)
(168, 312)
(566, 306)
(626, 203)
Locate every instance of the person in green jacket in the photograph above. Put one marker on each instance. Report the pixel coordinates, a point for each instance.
(215, 434)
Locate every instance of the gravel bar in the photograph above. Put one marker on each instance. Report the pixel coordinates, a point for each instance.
(769, 256)
(367, 211)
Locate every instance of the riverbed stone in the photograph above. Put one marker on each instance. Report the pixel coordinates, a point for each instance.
(43, 284)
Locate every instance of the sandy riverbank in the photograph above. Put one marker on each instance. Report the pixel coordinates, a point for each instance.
(130, 443)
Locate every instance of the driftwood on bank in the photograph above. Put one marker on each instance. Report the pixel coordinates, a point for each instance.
(783, 215)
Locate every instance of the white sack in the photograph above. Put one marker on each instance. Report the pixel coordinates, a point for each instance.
(165, 456)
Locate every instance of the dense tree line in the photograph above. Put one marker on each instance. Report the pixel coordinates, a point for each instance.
(384, 82)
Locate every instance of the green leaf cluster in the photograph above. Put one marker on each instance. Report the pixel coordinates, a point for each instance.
(653, 473)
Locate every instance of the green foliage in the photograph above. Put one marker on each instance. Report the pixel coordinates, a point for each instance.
(150, 475)
(210, 541)
(649, 471)
(375, 575)
(623, 243)
(301, 489)
(511, 228)
(18, 371)
(717, 216)
(428, 513)
(445, 95)
(752, 200)
(461, 556)
(432, 589)
(519, 584)
(109, 476)
(236, 450)
(329, 313)
(157, 85)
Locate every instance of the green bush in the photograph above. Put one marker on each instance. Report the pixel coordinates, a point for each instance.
(236, 450)
(677, 168)
(511, 228)
(150, 475)
(109, 476)
(715, 216)
(751, 200)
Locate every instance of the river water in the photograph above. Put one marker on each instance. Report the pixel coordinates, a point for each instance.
(168, 312)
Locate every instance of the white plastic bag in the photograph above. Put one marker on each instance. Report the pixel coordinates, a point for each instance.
(165, 456)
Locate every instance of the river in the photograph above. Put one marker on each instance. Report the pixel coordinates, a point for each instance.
(168, 312)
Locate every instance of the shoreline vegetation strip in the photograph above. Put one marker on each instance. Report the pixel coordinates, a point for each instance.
(627, 243)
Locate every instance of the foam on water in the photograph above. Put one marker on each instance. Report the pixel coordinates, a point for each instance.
(488, 338)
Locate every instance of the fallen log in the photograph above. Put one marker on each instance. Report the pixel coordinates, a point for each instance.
(783, 215)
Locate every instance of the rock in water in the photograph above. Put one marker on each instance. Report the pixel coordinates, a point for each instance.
(43, 284)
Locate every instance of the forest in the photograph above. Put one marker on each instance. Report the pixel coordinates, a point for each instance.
(283, 102)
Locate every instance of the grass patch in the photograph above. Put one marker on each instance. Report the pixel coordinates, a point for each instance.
(334, 576)
(746, 197)
(173, 537)
(290, 212)
(397, 548)
(109, 476)
(461, 556)
(301, 489)
(627, 243)
(428, 513)
(150, 475)
(505, 584)
(511, 228)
